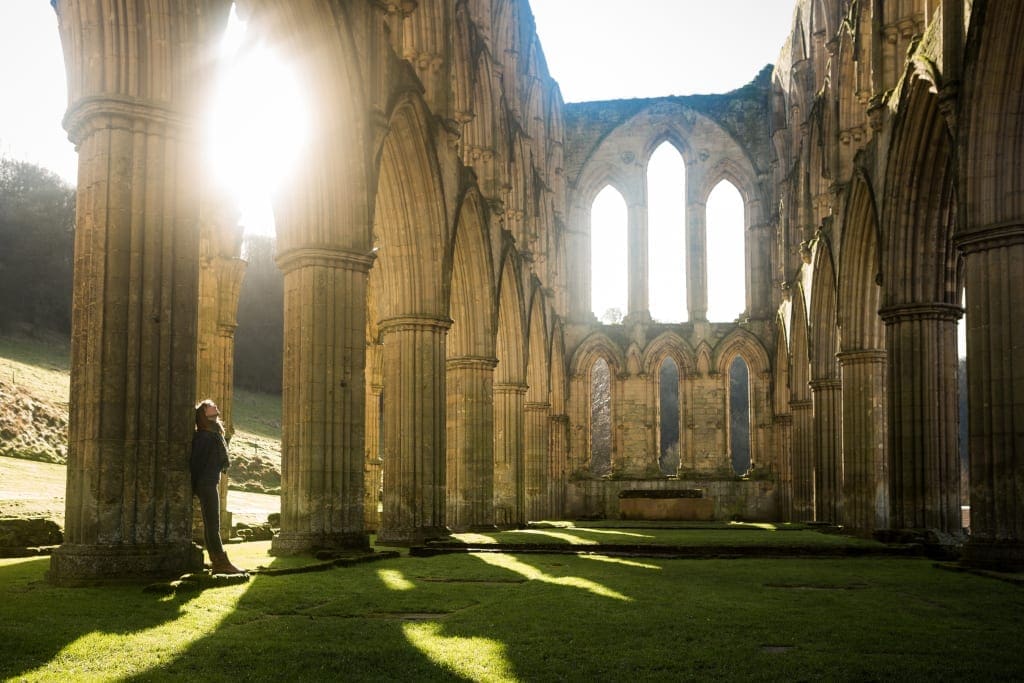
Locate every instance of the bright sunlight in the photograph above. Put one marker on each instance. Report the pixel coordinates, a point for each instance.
(257, 127)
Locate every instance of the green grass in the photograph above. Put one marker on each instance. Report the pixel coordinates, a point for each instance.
(524, 617)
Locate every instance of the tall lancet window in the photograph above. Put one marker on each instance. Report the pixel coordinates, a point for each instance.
(726, 253)
(609, 248)
(666, 235)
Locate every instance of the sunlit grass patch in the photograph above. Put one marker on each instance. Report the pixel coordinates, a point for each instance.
(478, 659)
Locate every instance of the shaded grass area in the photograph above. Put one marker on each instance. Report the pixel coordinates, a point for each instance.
(688, 534)
(497, 616)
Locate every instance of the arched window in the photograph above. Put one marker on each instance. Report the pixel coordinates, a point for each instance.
(726, 260)
(600, 418)
(739, 416)
(668, 403)
(666, 231)
(608, 256)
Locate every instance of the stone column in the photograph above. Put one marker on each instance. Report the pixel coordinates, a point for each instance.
(373, 479)
(865, 465)
(508, 455)
(133, 343)
(995, 358)
(558, 465)
(696, 259)
(924, 467)
(803, 460)
(537, 438)
(221, 272)
(639, 307)
(470, 438)
(784, 473)
(414, 430)
(323, 395)
(826, 397)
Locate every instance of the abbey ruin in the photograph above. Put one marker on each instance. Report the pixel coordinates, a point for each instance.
(436, 247)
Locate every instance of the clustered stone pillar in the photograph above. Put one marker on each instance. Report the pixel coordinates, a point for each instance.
(323, 400)
(470, 466)
(508, 454)
(995, 369)
(414, 429)
(924, 470)
(537, 435)
(133, 344)
(221, 272)
(558, 464)
(373, 471)
(784, 465)
(826, 396)
(865, 466)
(803, 460)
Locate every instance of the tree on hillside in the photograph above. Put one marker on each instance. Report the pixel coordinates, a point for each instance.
(37, 223)
(259, 338)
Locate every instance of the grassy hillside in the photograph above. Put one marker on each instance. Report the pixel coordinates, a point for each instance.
(34, 386)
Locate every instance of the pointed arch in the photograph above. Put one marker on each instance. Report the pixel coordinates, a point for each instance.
(668, 344)
(823, 342)
(538, 375)
(740, 342)
(511, 326)
(473, 291)
(860, 270)
(410, 228)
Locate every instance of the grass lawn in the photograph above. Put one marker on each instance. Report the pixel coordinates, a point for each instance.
(497, 616)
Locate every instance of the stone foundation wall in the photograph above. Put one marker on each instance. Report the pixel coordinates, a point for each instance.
(746, 499)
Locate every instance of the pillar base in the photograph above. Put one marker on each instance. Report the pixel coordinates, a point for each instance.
(997, 556)
(294, 543)
(85, 565)
(415, 536)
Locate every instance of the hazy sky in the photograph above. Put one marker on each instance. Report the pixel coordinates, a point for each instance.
(596, 49)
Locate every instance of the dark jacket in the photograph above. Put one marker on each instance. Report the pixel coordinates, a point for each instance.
(209, 458)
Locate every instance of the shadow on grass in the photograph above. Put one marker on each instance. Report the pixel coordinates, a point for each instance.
(39, 621)
(502, 616)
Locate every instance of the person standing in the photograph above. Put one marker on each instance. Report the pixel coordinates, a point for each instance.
(208, 460)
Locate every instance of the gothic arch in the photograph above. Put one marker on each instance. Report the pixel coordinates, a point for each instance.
(410, 227)
(511, 325)
(327, 198)
(992, 214)
(668, 344)
(472, 282)
(920, 309)
(860, 270)
(597, 345)
(538, 376)
(823, 328)
(740, 342)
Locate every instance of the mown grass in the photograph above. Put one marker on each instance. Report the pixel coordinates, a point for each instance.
(497, 616)
(37, 368)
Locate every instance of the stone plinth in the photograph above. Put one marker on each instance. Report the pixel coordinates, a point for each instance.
(682, 505)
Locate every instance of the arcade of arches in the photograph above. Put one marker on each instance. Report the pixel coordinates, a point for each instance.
(435, 245)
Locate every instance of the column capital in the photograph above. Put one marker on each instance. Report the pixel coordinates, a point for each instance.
(510, 388)
(824, 384)
(926, 311)
(536, 406)
(408, 323)
(99, 112)
(994, 236)
(861, 357)
(804, 404)
(472, 362)
(325, 257)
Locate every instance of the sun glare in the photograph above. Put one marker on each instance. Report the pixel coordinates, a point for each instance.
(257, 127)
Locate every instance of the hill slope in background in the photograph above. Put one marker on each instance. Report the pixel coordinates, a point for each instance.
(34, 387)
